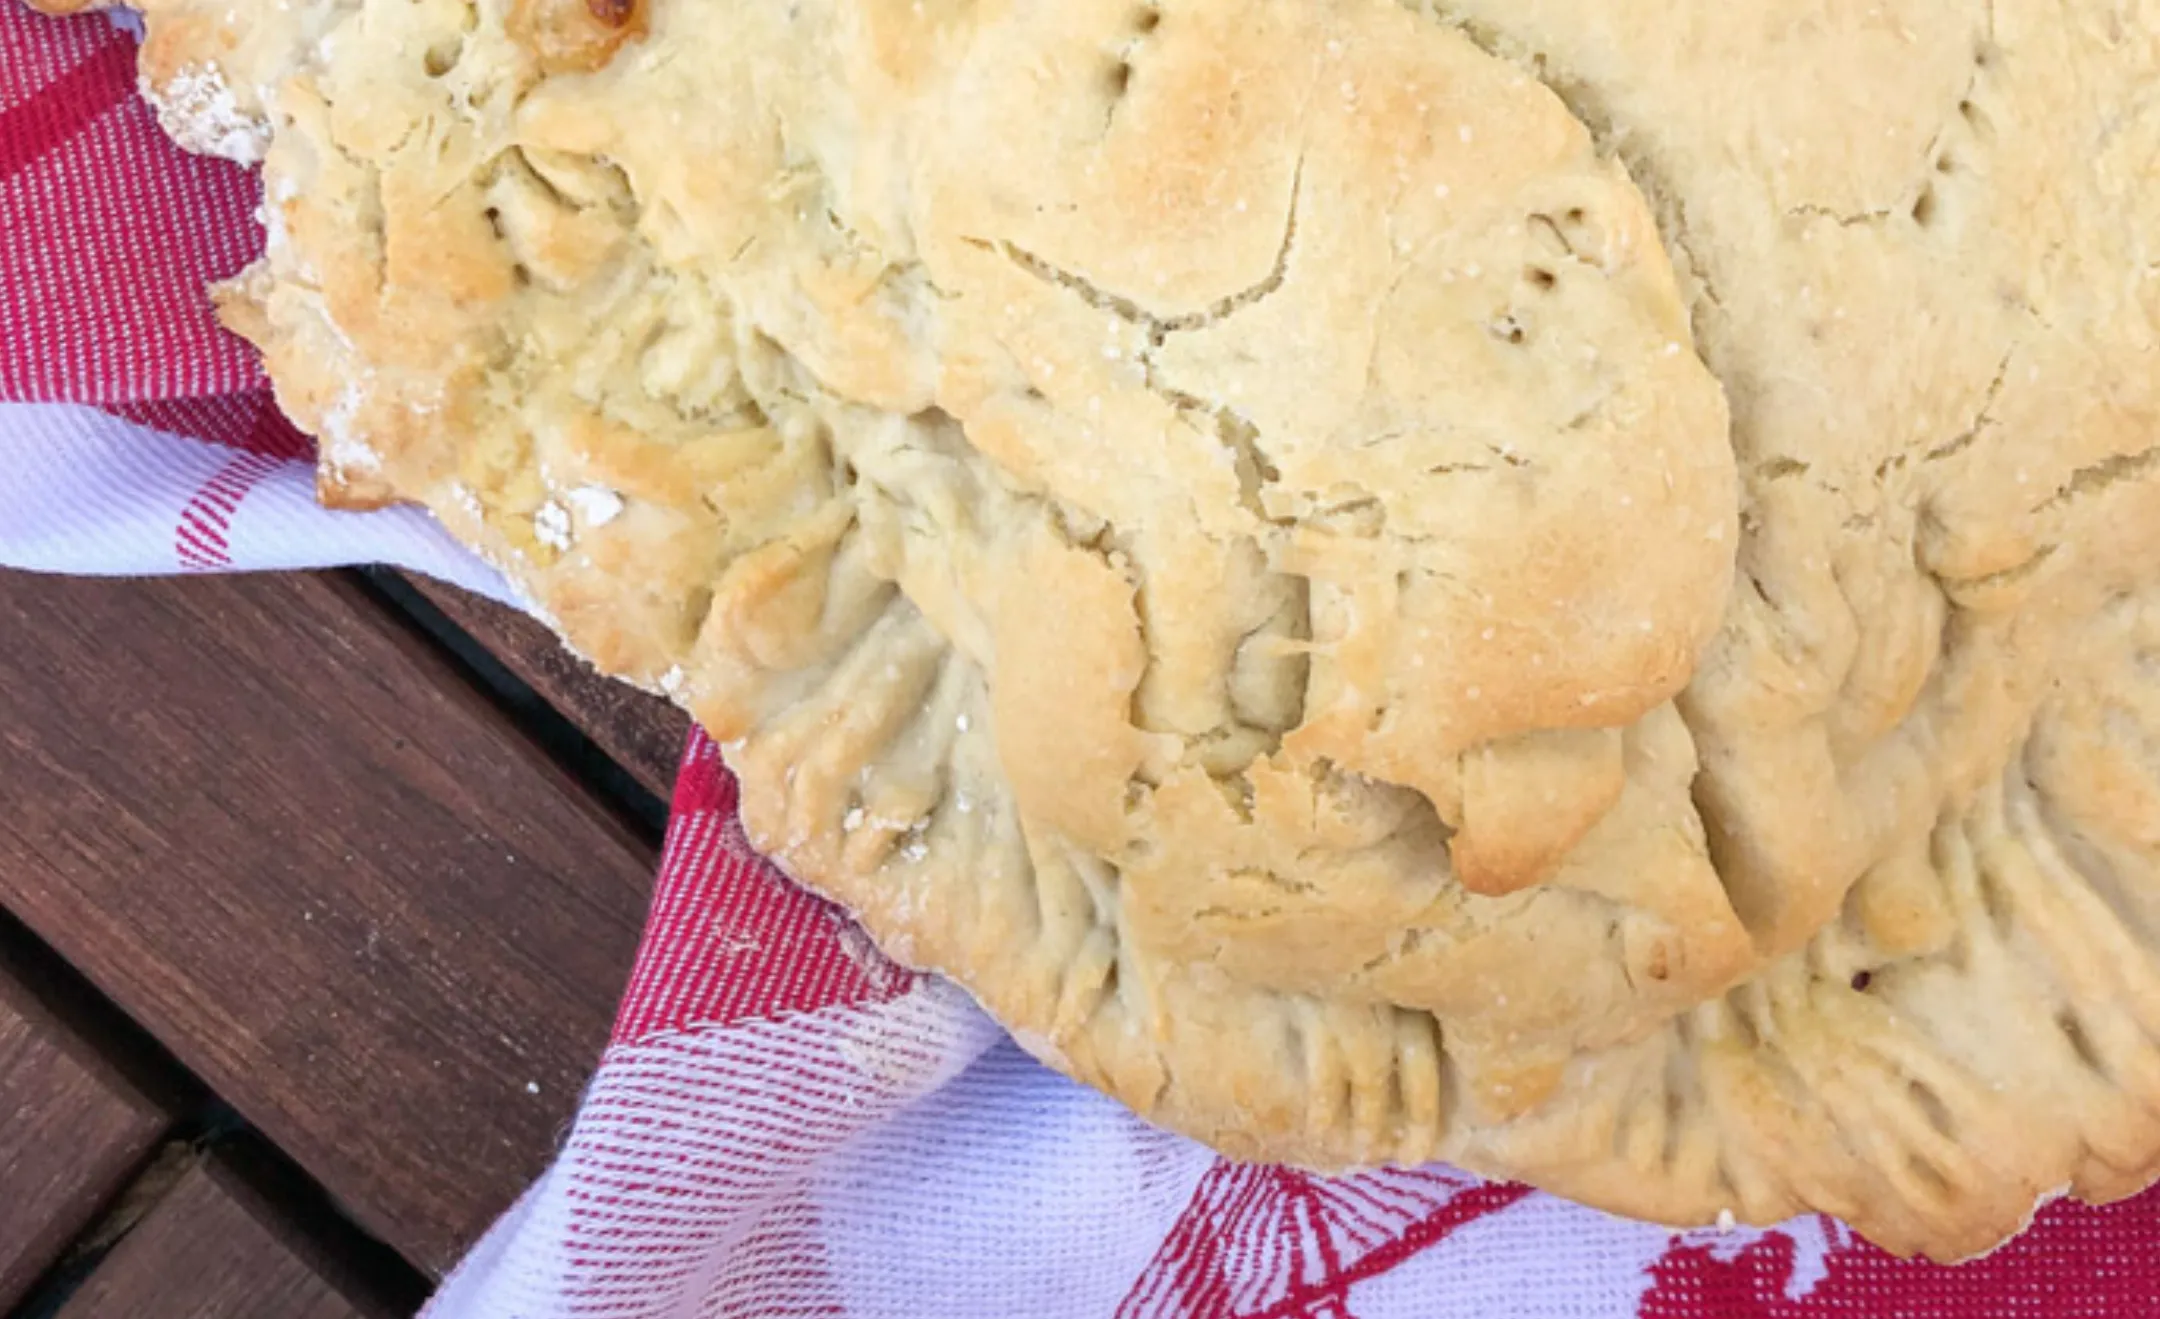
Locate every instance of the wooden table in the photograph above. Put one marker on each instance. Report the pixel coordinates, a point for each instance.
(316, 896)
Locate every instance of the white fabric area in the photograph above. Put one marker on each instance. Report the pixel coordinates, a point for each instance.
(84, 492)
(903, 1159)
(694, 1180)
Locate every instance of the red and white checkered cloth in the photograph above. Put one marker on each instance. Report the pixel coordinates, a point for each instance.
(784, 1123)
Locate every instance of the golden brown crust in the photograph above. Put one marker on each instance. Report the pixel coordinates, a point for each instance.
(1569, 587)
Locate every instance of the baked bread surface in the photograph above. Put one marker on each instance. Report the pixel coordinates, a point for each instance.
(1568, 586)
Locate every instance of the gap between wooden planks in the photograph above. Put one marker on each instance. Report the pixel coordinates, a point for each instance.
(637, 730)
(75, 1130)
(213, 1246)
(285, 835)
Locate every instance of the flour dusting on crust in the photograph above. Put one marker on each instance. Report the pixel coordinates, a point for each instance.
(196, 108)
(345, 450)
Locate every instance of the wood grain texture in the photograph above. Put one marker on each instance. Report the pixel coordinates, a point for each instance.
(72, 1130)
(282, 833)
(639, 731)
(211, 1248)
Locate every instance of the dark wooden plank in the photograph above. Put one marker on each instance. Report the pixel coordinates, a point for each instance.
(72, 1131)
(284, 834)
(639, 731)
(212, 1248)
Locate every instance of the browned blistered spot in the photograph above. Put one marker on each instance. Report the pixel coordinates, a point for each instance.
(575, 36)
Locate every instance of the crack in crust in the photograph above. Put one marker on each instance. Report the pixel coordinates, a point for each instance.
(1159, 327)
